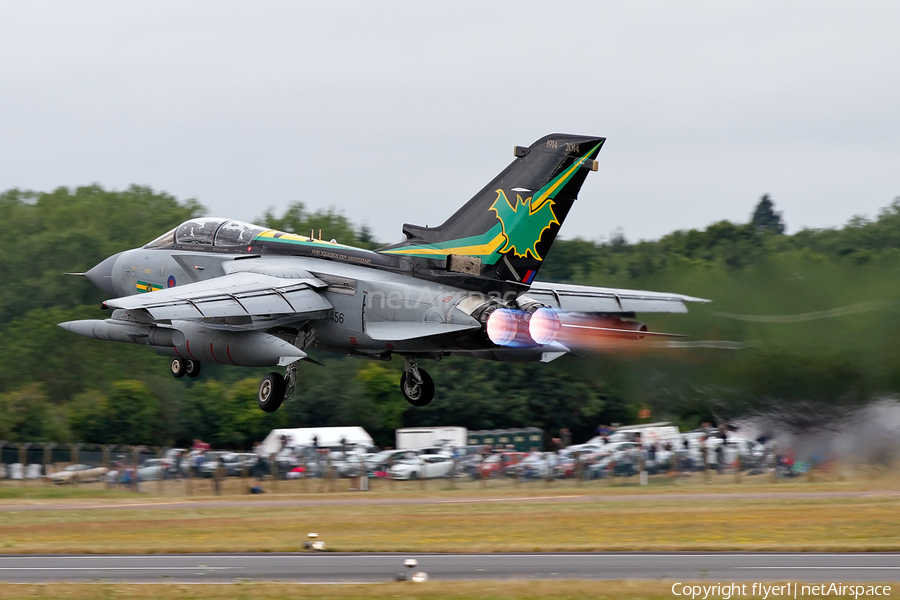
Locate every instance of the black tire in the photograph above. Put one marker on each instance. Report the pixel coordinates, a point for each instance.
(413, 476)
(178, 367)
(192, 368)
(418, 395)
(271, 392)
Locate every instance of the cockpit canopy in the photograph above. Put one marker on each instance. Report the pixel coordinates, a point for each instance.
(209, 231)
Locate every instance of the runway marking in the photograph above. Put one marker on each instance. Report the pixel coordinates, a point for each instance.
(377, 556)
(129, 505)
(238, 582)
(118, 568)
(806, 568)
(477, 500)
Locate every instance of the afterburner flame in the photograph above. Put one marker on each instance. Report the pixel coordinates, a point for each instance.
(544, 326)
(502, 326)
(598, 333)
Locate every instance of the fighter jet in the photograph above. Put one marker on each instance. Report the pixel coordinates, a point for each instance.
(233, 293)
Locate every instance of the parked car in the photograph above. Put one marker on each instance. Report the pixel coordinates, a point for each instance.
(236, 462)
(535, 465)
(377, 465)
(583, 449)
(429, 466)
(494, 465)
(153, 469)
(353, 465)
(78, 473)
(620, 458)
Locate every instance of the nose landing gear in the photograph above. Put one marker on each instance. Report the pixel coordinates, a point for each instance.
(416, 384)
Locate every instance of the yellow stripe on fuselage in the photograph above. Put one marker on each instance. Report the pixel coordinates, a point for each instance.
(270, 235)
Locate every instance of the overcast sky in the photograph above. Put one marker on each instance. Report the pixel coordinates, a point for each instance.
(399, 112)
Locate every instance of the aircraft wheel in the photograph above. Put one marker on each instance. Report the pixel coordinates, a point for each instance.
(271, 392)
(177, 367)
(192, 368)
(417, 394)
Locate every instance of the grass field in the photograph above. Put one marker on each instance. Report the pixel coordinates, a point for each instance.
(473, 519)
(467, 517)
(456, 590)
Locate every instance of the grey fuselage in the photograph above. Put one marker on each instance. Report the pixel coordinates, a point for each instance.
(378, 306)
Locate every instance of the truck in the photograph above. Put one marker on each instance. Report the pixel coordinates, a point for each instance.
(420, 437)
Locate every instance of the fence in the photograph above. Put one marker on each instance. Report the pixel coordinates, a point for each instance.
(173, 471)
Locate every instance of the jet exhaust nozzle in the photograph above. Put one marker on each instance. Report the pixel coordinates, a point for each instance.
(544, 326)
(523, 328)
(502, 326)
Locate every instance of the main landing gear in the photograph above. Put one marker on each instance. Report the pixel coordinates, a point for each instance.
(416, 384)
(181, 367)
(275, 389)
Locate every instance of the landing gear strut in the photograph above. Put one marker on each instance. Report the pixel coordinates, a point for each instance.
(275, 388)
(416, 384)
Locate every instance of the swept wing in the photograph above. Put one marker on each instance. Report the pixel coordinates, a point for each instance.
(235, 296)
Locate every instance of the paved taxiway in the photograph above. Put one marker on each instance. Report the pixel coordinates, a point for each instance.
(380, 567)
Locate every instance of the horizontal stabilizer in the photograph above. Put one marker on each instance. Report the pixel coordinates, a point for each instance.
(588, 299)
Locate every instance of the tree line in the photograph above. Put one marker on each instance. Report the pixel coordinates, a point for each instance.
(803, 317)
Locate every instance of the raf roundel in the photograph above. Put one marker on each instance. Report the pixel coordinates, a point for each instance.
(170, 282)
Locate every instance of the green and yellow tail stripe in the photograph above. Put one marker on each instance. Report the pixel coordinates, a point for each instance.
(488, 244)
(549, 190)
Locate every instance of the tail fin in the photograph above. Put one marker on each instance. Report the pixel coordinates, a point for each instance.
(506, 229)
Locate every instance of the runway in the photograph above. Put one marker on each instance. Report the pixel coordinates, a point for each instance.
(380, 567)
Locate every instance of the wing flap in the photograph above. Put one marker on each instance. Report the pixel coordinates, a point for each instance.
(265, 303)
(182, 312)
(237, 295)
(306, 300)
(219, 307)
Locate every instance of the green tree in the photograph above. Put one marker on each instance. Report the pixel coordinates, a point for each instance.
(765, 219)
(332, 224)
(89, 417)
(26, 415)
(133, 414)
(253, 424)
(384, 404)
(71, 231)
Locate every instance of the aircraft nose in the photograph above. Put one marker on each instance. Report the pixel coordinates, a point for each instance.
(101, 275)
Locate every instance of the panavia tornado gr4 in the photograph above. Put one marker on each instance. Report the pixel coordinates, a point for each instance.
(223, 291)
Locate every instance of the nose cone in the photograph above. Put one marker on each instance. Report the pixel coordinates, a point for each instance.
(101, 275)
